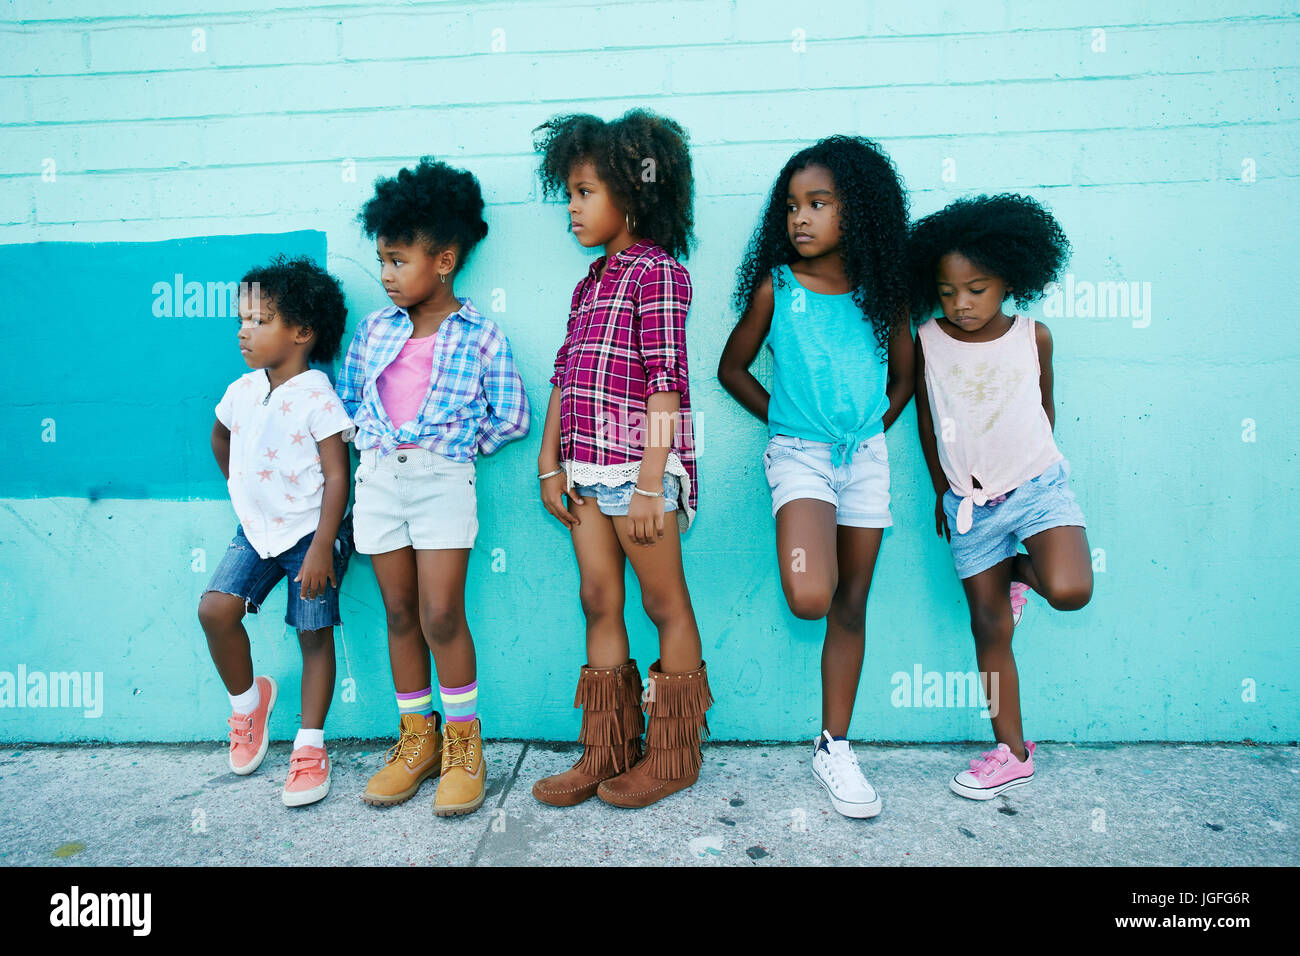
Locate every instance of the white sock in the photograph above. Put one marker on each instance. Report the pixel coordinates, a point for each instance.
(246, 702)
(308, 738)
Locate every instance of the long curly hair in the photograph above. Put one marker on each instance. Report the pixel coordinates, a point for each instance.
(873, 231)
(1014, 237)
(644, 159)
(435, 204)
(307, 297)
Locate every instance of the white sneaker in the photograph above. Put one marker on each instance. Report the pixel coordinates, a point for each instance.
(837, 770)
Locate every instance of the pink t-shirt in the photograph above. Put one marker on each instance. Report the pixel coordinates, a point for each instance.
(404, 384)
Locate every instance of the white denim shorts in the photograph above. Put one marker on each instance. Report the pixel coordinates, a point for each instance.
(859, 490)
(413, 497)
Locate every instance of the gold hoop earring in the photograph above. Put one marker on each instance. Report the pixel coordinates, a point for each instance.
(627, 222)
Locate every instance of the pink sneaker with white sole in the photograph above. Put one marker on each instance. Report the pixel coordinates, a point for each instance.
(997, 771)
(1018, 601)
(309, 777)
(248, 733)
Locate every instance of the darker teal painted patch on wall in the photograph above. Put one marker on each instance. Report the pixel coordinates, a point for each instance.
(120, 352)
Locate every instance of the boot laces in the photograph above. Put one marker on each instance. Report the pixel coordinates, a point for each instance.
(407, 747)
(457, 751)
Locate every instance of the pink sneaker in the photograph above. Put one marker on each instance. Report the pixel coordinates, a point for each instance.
(995, 772)
(248, 734)
(1018, 601)
(309, 777)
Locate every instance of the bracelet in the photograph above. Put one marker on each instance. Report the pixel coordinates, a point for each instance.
(648, 494)
(550, 474)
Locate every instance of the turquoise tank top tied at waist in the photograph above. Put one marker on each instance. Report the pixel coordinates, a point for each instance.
(843, 449)
(829, 378)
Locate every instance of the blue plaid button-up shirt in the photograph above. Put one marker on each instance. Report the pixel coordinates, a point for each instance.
(476, 400)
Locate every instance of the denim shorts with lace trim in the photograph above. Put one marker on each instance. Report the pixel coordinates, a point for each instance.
(615, 500)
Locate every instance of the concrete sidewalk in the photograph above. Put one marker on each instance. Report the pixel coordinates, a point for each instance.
(174, 804)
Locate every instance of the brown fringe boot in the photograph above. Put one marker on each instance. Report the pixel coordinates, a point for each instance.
(612, 724)
(675, 707)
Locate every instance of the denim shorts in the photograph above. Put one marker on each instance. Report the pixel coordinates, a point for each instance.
(414, 498)
(1040, 503)
(859, 490)
(615, 500)
(245, 574)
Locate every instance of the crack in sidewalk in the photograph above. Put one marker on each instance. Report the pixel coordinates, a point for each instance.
(505, 792)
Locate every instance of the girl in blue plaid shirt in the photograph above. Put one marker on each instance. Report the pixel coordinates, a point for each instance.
(429, 383)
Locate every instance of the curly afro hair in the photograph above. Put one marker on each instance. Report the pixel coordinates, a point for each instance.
(873, 231)
(1011, 236)
(660, 208)
(434, 204)
(306, 296)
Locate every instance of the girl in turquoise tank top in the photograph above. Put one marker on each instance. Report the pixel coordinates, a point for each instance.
(830, 382)
(824, 285)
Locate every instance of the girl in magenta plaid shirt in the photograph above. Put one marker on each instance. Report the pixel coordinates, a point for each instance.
(618, 443)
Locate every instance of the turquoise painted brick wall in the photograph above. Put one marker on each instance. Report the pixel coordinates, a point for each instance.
(1164, 134)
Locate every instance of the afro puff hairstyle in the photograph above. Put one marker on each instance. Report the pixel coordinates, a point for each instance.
(873, 231)
(1011, 236)
(434, 204)
(305, 296)
(659, 209)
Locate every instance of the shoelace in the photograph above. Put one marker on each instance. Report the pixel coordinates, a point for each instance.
(302, 764)
(407, 746)
(847, 761)
(241, 731)
(457, 751)
(841, 761)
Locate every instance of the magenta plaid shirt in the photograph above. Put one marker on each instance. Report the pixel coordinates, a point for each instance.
(626, 340)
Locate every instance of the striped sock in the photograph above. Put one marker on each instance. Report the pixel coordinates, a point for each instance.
(418, 702)
(460, 703)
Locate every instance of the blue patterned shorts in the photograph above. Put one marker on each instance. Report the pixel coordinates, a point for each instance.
(996, 529)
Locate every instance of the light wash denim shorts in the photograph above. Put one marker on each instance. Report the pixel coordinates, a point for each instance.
(859, 490)
(996, 529)
(414, 497)
(615, 500)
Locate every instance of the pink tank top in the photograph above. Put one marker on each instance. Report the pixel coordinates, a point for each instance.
(987, 406)
(404, 384)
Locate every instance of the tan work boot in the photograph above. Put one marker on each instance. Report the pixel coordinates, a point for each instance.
(612, 724)
(415, 757)
(464, 771)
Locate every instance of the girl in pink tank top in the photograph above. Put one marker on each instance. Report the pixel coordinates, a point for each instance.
(985, 414)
